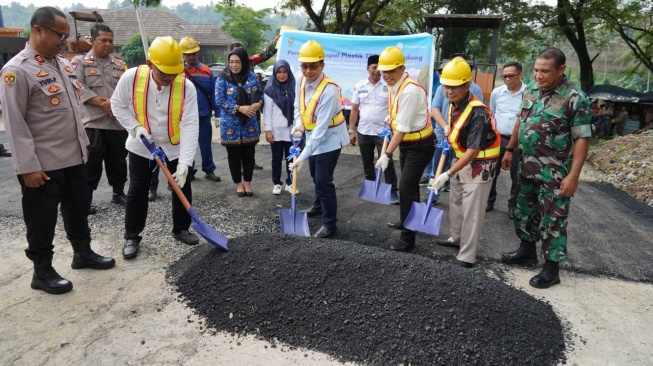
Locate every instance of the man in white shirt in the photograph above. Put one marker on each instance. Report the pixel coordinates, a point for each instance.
(504, 103)
(408, 115)
(370, 102)
(159, 104)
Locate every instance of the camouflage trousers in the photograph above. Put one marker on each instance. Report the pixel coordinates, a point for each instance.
(541, 213)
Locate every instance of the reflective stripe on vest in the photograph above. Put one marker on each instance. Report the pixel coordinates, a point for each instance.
(485, 154)
(393, 107)
(307, 112)
(175, 103)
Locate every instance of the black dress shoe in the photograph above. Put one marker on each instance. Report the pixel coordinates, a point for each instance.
(257, 167)
(186, 237)
(90, 259)
(548, 277)
(212, 177)
(47, 279)
(152, 196)
(489, 207)
(92, 210)
(462, 264)
(447, 243)
(119, 198)
(130, 250)
(402, 246)
(395, 225)
(326, 232)
(313, 212)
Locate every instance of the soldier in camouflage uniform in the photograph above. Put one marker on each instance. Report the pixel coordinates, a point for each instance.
(553, 131)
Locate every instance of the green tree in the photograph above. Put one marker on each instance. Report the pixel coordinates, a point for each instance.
(341, 17)
(244, 24)
(132, 52)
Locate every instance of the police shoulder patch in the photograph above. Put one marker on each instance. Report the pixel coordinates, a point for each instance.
(9, 78)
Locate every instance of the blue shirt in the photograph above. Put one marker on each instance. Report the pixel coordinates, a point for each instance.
(504, 105)
(205, 85)
(322, 139)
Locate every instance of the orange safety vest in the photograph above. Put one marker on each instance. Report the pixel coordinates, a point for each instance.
(485, 154)
(308, 111)
(393, 107)
(175, 103)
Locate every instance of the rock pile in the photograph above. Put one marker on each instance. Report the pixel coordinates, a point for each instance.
(364, 304)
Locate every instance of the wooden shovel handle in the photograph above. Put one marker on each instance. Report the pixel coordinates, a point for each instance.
(295, 170)
(174, 184)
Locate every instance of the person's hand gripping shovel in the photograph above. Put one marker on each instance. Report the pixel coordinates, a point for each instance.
(292, 221)
(207, 232)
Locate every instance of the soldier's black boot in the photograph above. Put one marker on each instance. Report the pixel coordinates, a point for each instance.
(548, 277)
(526, 253)
(85, 257)
(47, 279)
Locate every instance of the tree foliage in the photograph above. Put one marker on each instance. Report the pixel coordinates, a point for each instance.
(244, 24)
(132, 51)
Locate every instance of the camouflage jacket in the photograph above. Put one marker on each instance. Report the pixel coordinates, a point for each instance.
(550, 123)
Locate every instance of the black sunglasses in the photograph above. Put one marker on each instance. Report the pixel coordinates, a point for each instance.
(63, 36)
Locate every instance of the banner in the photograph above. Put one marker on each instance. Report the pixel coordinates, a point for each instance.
(345, 56)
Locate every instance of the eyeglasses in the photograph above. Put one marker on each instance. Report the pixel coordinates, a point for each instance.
(312, 67)
(454, 88)
(509, 76)
(63, 36)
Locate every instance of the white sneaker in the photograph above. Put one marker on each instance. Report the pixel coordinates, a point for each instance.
(289, 189)
(276, 189)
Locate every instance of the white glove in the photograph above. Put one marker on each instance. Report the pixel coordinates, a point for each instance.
(297, 163)
(297, 131)
(441, 180)
(141, 131)
(446, 131)
(180, 174)
(382, 162)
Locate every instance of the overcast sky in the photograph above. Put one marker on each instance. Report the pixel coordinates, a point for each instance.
(254, 4)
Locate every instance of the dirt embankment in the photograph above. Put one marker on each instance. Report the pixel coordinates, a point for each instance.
(627, 163)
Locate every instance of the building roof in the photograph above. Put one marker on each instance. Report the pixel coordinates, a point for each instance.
(158, 23)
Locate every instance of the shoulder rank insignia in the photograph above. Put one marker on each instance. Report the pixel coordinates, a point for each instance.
(39, 59)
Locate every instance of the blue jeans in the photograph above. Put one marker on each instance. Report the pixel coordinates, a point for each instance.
(204, 139)
(280, 151)
(322, 167)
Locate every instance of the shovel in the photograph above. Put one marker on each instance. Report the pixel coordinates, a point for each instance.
(422, 217)
(207, 232)
(374, 190)
(293, 222)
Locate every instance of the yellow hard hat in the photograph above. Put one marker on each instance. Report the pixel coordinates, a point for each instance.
(390, 59)
(189, 45)
(311, 51)
(456, 72)
(165, 54)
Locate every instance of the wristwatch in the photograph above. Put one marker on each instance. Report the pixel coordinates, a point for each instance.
(351, 131)
(510, 149)
(388, 154)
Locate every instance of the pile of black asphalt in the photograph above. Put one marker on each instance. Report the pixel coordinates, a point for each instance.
(365, 304)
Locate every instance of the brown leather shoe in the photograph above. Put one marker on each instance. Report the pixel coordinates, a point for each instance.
(326, 232)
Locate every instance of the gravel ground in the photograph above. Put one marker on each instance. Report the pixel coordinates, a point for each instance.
(364, 304)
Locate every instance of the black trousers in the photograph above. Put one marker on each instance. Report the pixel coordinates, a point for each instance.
(514, 186)
(108, 147)
(241, 162)
(413, 159)
(367, 145)
(140, 175)
(66, 187)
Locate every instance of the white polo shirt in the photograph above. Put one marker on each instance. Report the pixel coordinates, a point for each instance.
(372, 103)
